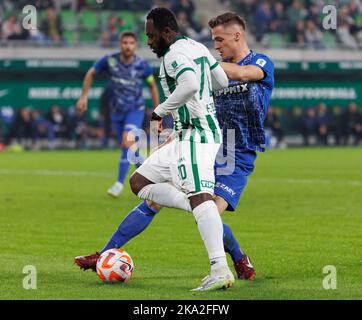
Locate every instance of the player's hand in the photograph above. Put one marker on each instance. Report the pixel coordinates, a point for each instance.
(156, 117)
(82, 104)
(167, 141)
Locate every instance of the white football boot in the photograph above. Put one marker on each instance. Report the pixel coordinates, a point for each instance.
(220, 279)
(116, 190)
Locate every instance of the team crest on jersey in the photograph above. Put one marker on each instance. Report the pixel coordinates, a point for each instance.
(174, 64)
(261, 62)
(112, 62)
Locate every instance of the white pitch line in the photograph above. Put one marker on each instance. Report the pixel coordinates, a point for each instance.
(57, 173)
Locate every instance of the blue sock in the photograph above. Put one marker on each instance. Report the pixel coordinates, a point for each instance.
(231, 245)
(132, 225)
(124, 163)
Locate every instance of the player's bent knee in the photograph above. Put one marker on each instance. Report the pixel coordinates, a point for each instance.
(198, 199)
(135, 183)
(128, 140)
(138, 182)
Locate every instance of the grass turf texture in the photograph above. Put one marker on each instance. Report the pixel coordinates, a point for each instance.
(300, 211)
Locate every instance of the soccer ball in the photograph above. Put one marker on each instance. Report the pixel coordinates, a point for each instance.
(115, 265)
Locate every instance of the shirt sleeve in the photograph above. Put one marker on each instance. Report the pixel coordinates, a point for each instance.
(219, 78)
(186, 88)
(148, 71)
(213, 62)
(176, 64)
(101, 65)
(265, 64)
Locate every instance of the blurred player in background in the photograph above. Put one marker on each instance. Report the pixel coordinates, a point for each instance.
(127, 73)
(241, 107)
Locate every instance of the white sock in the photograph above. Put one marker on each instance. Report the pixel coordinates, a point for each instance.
(165, 195)
(210, 226)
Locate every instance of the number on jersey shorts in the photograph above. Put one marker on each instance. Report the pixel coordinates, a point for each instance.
(188, 165)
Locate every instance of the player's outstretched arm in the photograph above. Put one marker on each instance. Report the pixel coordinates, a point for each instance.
(242, 73)
(186, 88)
(219, 79)
(82, 103)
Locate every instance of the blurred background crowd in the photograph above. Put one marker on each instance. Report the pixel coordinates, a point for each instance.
(272, 23)
(65, 128)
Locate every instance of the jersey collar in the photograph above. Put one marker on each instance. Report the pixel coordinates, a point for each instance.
(179, 37)
(124, 64)
(247, 56)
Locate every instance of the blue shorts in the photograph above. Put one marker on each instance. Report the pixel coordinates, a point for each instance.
(230, 186)
(128, 121)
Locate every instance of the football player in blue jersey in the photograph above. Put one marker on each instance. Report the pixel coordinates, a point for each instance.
(126, 76)
(242, 108)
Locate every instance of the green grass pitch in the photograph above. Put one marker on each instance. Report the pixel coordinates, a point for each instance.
(301, 211)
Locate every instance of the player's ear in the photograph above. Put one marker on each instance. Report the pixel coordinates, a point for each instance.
(166, 33)
(237, 36)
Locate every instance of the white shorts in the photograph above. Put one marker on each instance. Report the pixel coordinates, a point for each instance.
(188, 165)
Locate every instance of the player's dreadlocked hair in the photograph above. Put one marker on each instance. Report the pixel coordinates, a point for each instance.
(163, 18)
(226, 18)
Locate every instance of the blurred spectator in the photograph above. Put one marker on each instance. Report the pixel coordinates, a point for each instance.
(115, 26)
(314, 14)
(58, 119)
(6, 6)
(277, 23)
(188, 8)
(313, 36)
(308, 125)
(42, 128)
(185, 26)
(345, 26)
(352, 124)
(295, 13)
(336, 124)
(12, 30)
(162, 3)
(42, 4)
(22, 128)
(352, 16)
(298, 35)
(274, 124)
(262, 17)
(323, 124)
(77, 127)
(52, 26)
(203, 33)
(60, 4)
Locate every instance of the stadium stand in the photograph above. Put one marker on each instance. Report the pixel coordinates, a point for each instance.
(273, 23)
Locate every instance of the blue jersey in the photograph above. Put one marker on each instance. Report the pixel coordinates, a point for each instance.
(125, 83)
(243, 106)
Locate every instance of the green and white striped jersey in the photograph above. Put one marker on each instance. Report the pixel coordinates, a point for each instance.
(196, 120)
